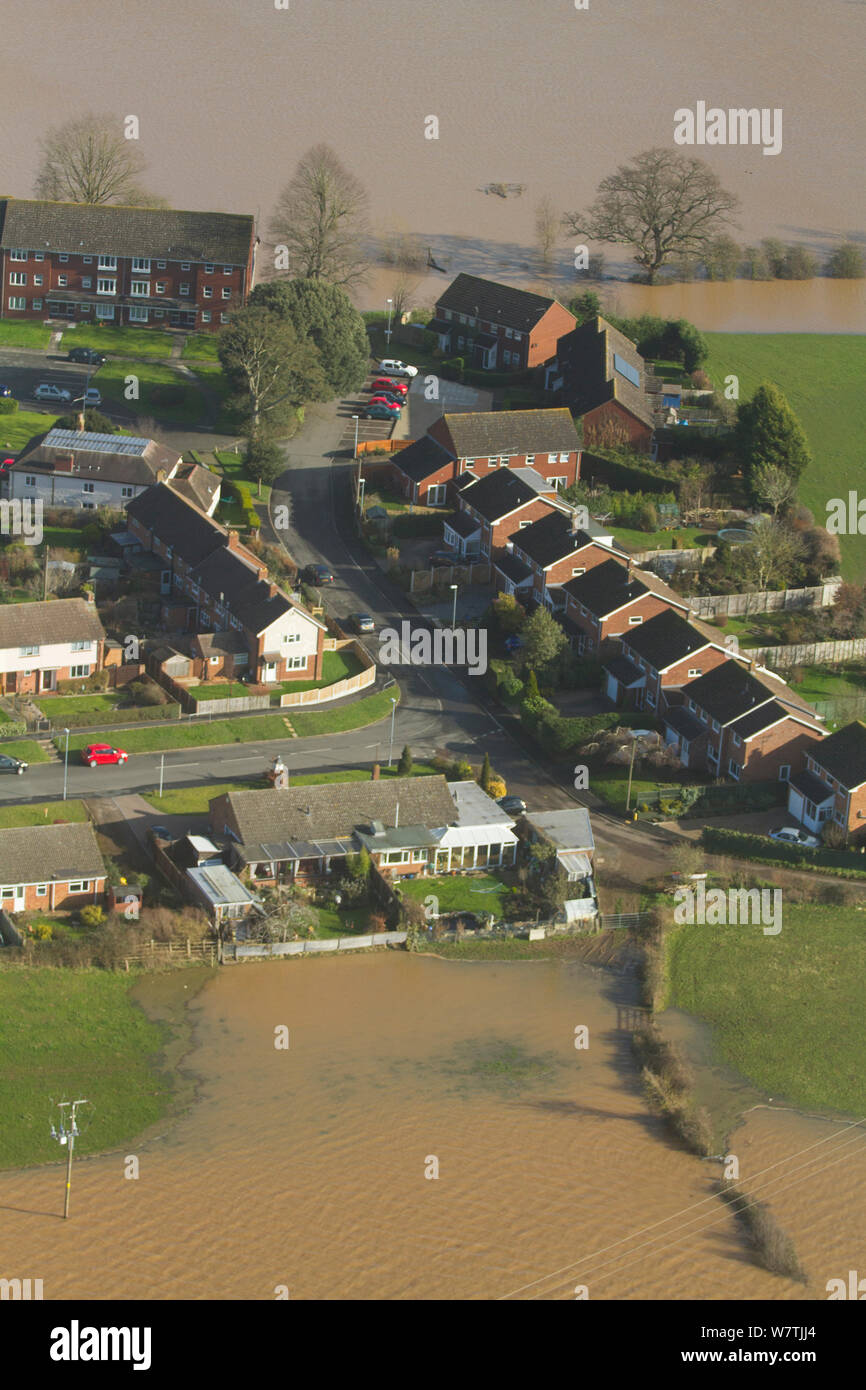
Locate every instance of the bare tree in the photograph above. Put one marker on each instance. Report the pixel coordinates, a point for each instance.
(403, 292)
(89, 160)
(547, 227)
(402, 248)
(663, 204)
(774, 486)
(320, 217)
(772, 553)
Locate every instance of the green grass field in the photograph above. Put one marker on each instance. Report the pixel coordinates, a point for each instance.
(232, 466)
(134, 342)
(684, 538)
(786, 1010)
(151, 376)
(41, 813)
(336, 666)
(194, 801)
(64, 538)
(26, 334)
(475, 893)
(201, 346)
(59, 707)
(17, 429)
(822, 376)
(68, 1033)
(249, 729)
(27, 749)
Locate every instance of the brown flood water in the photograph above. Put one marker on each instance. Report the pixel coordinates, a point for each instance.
(305, 1167)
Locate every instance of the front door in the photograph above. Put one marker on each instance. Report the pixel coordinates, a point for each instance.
(270, 671)
(12, 897)
(49, 680)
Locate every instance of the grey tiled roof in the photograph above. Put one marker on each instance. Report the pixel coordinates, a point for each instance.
(481, 434)
(45, 624)
(843, 754)
(95, 457)
(493, 302)
(163, 233)
(42, 853)
(332, 810)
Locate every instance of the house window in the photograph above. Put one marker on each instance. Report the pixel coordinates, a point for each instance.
(692, 706)
(184, 288)
(103, 311)
(651, 699)
(126, 492)
(37, 304)
(29, 480)
(506, 357)
(205, 315)
(509, 332)
(447, 315)
(737, 741)
(436, 495)
(86, 283)
(107, 263)
(214, 661)
(518, 338)
(551, 458)
(85, 308)
(40, 256)
(137, 313)
(296, 663)
(785, 772)
(159, 313)
(62, 281)
(558, 482)
(563, 458)
(87, 487)
(208, 292)
(227, 270)
(224, 318)
(291, 637)
(76, 671)
(184, 265)
(28, 651)
(89, 506)
(85, 260)
(63, 258)
(41, 890)
(18, 255)
(17, 302)
(80, 646)
(79, 885)
(694, 671)
(141, 288)
(523, 525)
(734, 770)
(504, 460)
(17, 277)
(141, 263)
(632, 622)
(208, 270)
(106, 287)
(160, 287)
(160, 265)
(575, 573)
(227, 294)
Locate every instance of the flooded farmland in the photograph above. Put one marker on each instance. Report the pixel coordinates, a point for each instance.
(305, 1168)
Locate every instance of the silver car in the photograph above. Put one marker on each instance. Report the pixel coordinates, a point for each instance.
(46, 392)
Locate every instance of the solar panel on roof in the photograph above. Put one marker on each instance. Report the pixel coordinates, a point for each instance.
(626, 369)
(85, 442)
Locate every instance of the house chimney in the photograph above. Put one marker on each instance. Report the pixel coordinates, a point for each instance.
(79, 422)
(377, 772)
(232, 541)
(273, 590)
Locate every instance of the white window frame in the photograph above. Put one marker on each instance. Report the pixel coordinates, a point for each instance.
(107, 263)
(79, 885)
(138, 313)
(140, 289)
(18, 277)
(734, 769)
(785, 772)
(106, 286)
(18, 255)
(79, 672)
(17, 301)
(141, 265)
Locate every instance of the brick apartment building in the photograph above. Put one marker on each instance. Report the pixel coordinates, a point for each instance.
(141, 266)
(497, 328)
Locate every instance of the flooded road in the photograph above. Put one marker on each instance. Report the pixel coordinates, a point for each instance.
(305, 1168)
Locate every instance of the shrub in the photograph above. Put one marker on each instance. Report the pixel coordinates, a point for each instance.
(8, 405)
(43, 931)
(92, 915)
(146, 692)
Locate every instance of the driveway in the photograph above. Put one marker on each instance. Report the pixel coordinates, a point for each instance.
(451, 397)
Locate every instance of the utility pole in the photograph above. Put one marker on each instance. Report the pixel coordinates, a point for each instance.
(66, 1132)
(630, 771)
(161, 773)
(45, 575)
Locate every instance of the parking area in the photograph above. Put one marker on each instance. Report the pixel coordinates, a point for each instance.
(22, 372)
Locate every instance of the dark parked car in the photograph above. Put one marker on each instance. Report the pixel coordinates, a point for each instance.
(8, 764)
(317, 574)
(83, 354)
(512, 805)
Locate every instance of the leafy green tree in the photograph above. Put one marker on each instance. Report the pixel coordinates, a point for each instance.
(271, 370)
(799, 264)
(846, 262)
(404, 767)
(585, 306)
(722, 258)
(265, 460)
(94, 421)
(509, 614)
(358, 865)
(543, 639)
(323, 314)
(769, 433)
(485, 774)
(530, 689)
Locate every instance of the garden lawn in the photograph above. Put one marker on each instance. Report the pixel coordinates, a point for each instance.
(195, 801)
(822, 376)
(66, 1033)
(786, 1010)
(201, 346)
(232, 466)
(611, 785)
(336, 666)
(462, 893)
(111, 379)
(684, 538)
(345, 921)
(59, 707)
(24, 334)
(16, 430)
(64, 538)
(248, 729)
(132, 342)
(41, 813)
(822, 683)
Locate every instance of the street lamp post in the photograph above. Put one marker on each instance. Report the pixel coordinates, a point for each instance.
(65, 764)
(391, 748)
(388, 329)
(356, 418)
(454, 607)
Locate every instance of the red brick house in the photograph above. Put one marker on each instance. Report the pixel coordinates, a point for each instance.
(494, 327)
(832, 785)
(152, 267)
(50, 868)
(480, 442)
(741, 721)
(613, 599)
(602, 378)
(496, 507)
(659, 657)
(213, 584)
(544, 556)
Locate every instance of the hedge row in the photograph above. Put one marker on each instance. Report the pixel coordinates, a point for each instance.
(624, 478)
(561, 735)
(741, 845)
(134, 714)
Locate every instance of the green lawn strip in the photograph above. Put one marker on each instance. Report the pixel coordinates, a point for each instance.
(612, 786)
(684, 538)
(41, 813)
(16, 430)
(70, 1033)
(232, 466)
(59, 707)
(462, 893)
(131, 342)
(821, 374)
(346, 921)
(821, 683)
(24, 334)
(786, 1010)
(336, 666)
(201, 346)
(251, 729)
(64, 538)
(111, 382)
(28, 750)
(195, 801)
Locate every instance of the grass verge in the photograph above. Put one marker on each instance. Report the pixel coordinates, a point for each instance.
(41, 813)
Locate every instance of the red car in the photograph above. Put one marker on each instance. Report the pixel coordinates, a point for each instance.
(96, 753)
(397, 388)
(386, 400)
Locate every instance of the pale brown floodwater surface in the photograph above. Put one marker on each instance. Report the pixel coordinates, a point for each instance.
(305, 1167)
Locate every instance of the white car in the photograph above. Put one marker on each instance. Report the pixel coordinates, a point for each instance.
(790, 835)
(46, 392)
(91, 396)
(394, 368)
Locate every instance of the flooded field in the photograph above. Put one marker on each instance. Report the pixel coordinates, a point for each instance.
(305, 1168)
